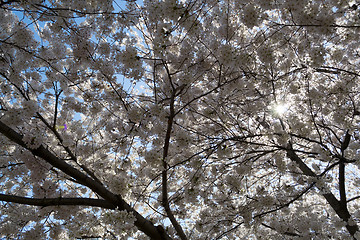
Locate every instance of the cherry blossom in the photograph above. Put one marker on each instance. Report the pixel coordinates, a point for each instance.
(179, 119)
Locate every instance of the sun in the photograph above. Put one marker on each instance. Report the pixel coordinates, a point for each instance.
(281, 108)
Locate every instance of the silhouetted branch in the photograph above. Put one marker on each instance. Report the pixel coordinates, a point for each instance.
(45, 202)
(141, 223)
(340, 210)
(165, 200)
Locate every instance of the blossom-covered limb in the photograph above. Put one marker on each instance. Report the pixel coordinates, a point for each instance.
(341, 210)
(143, 224)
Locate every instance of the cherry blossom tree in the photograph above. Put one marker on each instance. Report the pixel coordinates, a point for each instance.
(179, 119)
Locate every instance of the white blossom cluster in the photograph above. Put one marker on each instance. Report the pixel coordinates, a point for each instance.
(33, 139)
(247, 109)
(121, 222)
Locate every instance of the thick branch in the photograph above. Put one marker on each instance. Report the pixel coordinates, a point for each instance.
(45, 202)
(342, 189)
(340, 210)
(141, 223)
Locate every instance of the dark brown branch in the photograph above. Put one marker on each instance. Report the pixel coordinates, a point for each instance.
(342, 189)
(354, 198)
(45, 202)
(141, 223)
(288, 203)
(345, 142)
(326, 71)
(228, 231)
(344, 159)
(328, 169)
(165, 200)
(340, 210)
(286, 233)
(334, 69)
(11, 165)
(57, 95)
(318, 25)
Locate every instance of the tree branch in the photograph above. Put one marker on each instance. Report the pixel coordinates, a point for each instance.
(45, 202)
(165, 200)
(342, 189)
(67, 149)
(286, 233)
(354, 198)
(318, 25)
(288, 203)
(340, 210)
(141, 223)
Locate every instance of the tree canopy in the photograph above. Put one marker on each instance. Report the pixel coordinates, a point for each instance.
(179, 119)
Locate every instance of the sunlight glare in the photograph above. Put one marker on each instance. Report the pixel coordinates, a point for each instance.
(280, 109)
